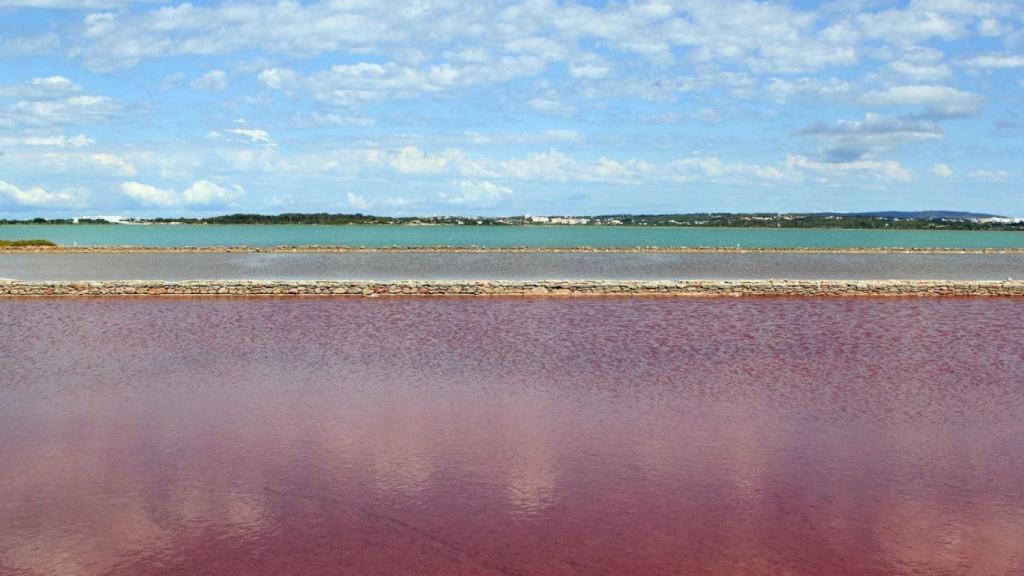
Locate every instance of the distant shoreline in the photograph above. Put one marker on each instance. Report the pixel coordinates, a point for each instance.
(948, 227)
(64, 249)
(886, 220)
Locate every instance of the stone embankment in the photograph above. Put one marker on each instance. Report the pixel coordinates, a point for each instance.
(10, 288)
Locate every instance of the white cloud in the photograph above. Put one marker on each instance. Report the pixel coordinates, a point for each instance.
(204, 193)
(990, 176)
(37, 196)
(911, 26)
(939, 101)
(61, 141)
(278, 78)
(852, 139)
(551, 105)
(332, 119)
(357, 201)
(712, 168)
(120, 165)
(921, 64)
(499, 38)
(200, 193)
(975, 8)
(361, 202)
(412, 160)
(252, 134)
(879, 169)
(150, 195)
(64, 4)
(942, 170)
(590, 67)
(556, 166)
(351, 84)
(71, 110)
(608, 170)
(212, 81)
(996, 61)
(479, 193)
(30, 45)
(786, 40)
(552, 165)
(830, 90)
(41, 87)
(54, 100)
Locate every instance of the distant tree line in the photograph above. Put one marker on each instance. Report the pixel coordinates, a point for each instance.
(881, 221)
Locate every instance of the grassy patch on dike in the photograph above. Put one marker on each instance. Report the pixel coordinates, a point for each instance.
(16, 243)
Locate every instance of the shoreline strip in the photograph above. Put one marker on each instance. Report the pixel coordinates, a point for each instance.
(356, 288)
(62, 249)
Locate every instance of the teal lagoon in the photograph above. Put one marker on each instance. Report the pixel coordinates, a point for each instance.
(171, 235)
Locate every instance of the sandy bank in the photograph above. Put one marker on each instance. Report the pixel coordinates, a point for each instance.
(517, 249)
(542, 288)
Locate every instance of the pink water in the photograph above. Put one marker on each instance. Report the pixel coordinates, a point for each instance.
(613, 436)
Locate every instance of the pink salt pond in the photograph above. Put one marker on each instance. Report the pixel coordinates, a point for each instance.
(512, 436)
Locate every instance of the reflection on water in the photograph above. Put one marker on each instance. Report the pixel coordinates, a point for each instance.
(511, 436)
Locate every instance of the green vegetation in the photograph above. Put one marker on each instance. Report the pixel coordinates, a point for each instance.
(864, 221)
(15, 243)
(913, 221)
(57, 221)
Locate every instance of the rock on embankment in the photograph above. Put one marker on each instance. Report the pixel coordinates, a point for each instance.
(518, 288)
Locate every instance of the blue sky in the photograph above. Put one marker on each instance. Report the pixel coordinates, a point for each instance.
(449, 107)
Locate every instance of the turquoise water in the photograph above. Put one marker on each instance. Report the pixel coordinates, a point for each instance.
(503, 236)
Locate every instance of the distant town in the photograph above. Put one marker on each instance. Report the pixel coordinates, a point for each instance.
(939, 220)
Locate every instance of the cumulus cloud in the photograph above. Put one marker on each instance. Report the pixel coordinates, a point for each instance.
(201, 193)
(72, 110)
(119, 165)
(938, 101)
(552, 105)
(332, 119)
(60, 141)
(54, 100)
(879, 169)
(474, 192)
(357, 201)
(37, 196)
(205, 193)
(996, 61)
(852, 139)
(36, 45)
(989, 176)
(920, 64)
(942, 170)
(556, 166)
(412, 160)
(590, 67)
(553, 165)
(712, 168)
(41, 87)
(251, 134)
(352, 84)
(920, 72)
(828, 90)
(911, 26)
(278, 78)
(521, 35)
(150, 195)
(64, 4)
(361, 202)
(212, 81)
